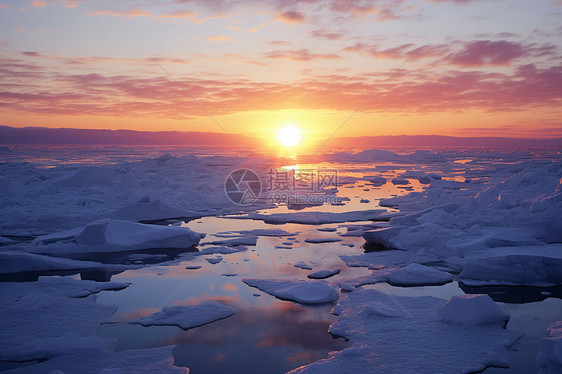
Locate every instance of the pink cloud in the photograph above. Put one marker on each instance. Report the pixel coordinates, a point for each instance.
(179, 15)
(291, 17)
(131, 13)
(486, 52)
(26, 87)
(464, 54)
(324, 34)
(38, 4)
(301, 55)
(219, 38)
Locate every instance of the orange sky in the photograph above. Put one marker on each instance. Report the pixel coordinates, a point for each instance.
(469, 67)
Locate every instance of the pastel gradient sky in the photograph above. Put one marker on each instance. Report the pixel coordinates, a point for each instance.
(469, 67)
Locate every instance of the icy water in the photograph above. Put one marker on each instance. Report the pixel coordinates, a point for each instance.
(268, 335)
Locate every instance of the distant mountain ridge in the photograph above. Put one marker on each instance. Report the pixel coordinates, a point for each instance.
(61, 136)
(445, 141)
(45, 135)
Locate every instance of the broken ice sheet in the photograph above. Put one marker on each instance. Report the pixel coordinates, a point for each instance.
(187, 316)
(300, 291)
(382, 328)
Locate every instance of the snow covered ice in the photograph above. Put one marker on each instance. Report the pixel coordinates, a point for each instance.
(173, 251)
(383, 328)
(472, 309)
(116, 235)
(299, 291)
(188, 316)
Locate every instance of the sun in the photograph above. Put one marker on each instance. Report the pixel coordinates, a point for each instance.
(289, 136)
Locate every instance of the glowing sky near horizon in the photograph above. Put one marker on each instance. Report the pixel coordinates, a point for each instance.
(472, 67)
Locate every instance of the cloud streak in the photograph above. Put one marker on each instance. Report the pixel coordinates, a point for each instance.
(122, 95)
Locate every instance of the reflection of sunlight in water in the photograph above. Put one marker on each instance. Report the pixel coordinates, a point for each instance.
(265, 334)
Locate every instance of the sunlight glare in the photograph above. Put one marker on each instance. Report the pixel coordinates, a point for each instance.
(289, 136)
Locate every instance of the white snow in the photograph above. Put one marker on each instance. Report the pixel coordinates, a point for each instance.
(187, 316)
(116, 235)
(384, 310)
(79, 288)
(300, 291)
(15, 262)
(45, 348)
(472, 309)
(418, 275)
(493, 220)
(86, 177)
(401, 334)
(34, 300)
(35, 200)
(39, 320)
(104, 361)
(517, 204)
(147, 209)
(529, 265)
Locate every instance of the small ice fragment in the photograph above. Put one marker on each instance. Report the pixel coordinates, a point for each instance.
(214, 260)
(323, 274)
(303, 265)
(400, 181)
(322, 240)
(377, 180)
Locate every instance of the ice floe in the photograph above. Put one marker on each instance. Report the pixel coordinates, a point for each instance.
(243, 240)
(323, 274)
(115, 235)
(527, 265)
(318, 218)
(19, 261)
(381, 328)
(46, 348)
(300, 291)
(257, 232)
(418, 275)
(322, 240)
(303, 265)
(187, 316)
(55, 319)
